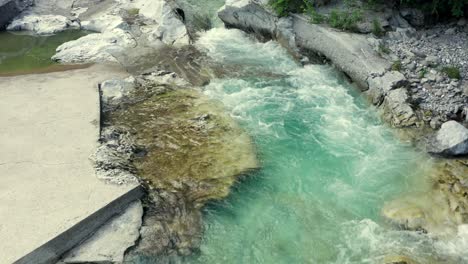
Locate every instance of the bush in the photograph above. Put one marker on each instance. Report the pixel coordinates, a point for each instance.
(452, 72)
(283, 7)
(314, 16)
(345, 20)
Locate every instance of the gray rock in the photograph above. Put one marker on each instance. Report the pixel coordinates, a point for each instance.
(43, 24)
(9, 9)
(431, 61)
(435, 123)
(461, 22)
(464, 88)
(450, 31)
(397, 111)
(249, 15)
(450, 140)
(414, 16)
(112, 91)
(110, 242)
(98, 47)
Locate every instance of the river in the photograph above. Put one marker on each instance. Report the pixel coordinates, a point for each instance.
(329, 164)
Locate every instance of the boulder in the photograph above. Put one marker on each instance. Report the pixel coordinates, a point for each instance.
(450, 140)
(397, 110)
(164, 22)
(43, 24)
(250, 16)
(9, 9)
(414, 16)
(379, 86)
(98, 47)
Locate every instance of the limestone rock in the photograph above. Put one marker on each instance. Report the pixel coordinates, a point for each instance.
(397, 110)
(43, 24)
(110, 242)
(379, 86)
(9, 9)
(98, 47)
(450, 140)
(249, 15)
(104, 23)
(166, 25)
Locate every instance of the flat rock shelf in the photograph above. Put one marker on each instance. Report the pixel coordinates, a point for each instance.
(50, 198)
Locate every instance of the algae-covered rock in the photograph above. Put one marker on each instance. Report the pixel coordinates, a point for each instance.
(190, 141)
(190, 151)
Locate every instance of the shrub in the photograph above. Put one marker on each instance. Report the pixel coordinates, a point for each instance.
(283, 7)
(314, 16)
(345, 20)
(452, 72)
(396, 66)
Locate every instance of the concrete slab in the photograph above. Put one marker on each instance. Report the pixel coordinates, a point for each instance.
(50, 198)
(109, 243)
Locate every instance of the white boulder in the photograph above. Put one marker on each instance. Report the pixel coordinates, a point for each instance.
(98, 47)
(450, 140)
(43, 24)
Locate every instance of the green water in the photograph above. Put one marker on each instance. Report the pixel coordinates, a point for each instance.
(26, 53)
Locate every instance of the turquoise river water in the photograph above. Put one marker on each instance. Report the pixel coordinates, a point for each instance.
(329, 164)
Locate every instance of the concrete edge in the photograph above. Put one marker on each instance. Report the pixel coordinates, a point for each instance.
(52, 250)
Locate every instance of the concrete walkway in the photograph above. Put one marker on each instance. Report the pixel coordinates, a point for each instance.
(50, 198)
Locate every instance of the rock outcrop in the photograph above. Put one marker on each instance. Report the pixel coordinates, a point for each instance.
(43, 24)
(97, 47)
(9, 9)
(450, 140)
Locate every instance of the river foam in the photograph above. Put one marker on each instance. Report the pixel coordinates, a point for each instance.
(329, 165)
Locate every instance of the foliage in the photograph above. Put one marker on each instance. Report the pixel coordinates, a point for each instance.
(283, 7)
(452, 72)
(396, 66)
(384, 49)
(345, 20)
(422, 73)
(377, 28)
(315, 17)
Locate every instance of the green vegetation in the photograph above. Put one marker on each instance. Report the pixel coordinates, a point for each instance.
(384, 49)
(377, 28)
(422, 73)
(396, 66)
(452, 72)
(283, 7)
(315, 17)
(345, 20)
